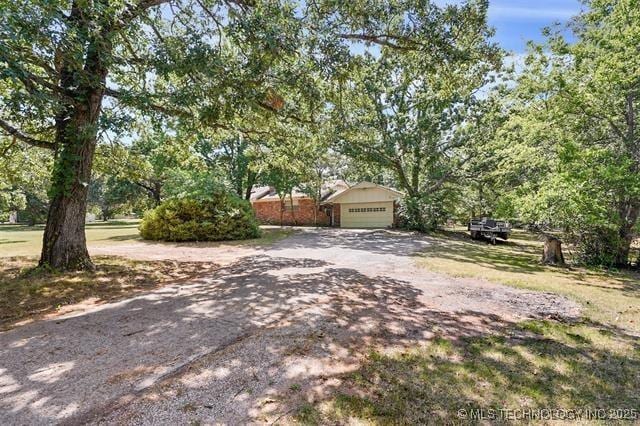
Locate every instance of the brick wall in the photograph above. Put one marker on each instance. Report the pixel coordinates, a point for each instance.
(336, 215)
(268, 212)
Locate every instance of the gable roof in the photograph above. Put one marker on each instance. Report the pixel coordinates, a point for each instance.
(391, 193)
(268, 193)
(258, 192)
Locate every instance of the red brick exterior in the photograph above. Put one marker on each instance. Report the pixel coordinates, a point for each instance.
(336, 215)
(268, 213)
(271, 212)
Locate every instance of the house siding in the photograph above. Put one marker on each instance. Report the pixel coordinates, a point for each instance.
(269, 213)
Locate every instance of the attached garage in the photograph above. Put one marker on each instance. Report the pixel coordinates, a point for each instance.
(366, 215)
(365, 205)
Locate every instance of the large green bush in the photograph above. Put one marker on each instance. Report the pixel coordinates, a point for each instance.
(220, 216)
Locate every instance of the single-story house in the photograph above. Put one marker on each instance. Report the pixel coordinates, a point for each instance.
(364, 205)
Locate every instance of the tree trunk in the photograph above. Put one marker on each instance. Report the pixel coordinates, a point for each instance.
(251, 180)
(552, 252)
(293, 213)
(282, 211)
(157, 193)
(64, 244)
(629, 217)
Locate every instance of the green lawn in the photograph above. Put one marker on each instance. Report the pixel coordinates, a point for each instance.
(21, 240)
(592, 364)
(611, 297)
(535, 365)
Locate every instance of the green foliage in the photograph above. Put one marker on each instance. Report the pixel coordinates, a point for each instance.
(220, 216)
(423, 213)
(109, 195)
(595, 245)
(570, 148)
(416, 119)
(23, 181)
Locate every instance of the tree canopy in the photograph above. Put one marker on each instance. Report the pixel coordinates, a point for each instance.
(117, 105)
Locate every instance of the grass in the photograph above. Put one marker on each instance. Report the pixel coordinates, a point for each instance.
(26, 292)
(591, 364)
(611, 297)
(539, 365)
(21, 240)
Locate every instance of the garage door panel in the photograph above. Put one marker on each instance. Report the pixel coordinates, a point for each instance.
(366, 215)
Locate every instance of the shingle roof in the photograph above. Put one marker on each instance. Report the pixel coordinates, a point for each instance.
(258, 192)
(268, 193)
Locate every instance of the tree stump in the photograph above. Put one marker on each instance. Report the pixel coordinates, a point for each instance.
(552, 252)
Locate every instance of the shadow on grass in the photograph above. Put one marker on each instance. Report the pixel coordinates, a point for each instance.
(522, 256)
(12, 241)
(20, 228)
(126, 237)
(505, 255)
(537, 365)
(26, 291)
(113, 224)
(269, 236)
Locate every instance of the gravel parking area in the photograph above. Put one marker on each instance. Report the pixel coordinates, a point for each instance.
(272, 328)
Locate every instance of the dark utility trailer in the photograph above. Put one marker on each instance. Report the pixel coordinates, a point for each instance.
(489, 228)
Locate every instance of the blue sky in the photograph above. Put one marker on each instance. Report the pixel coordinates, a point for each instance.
(517, 21)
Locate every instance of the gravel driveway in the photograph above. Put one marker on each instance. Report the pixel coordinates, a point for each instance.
(249, 343)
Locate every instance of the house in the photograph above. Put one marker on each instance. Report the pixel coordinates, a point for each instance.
(365, 205)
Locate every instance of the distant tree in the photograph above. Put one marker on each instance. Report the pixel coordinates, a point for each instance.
(234, 158)
(24, 179)
(572, 137)
(111, 196)
(406, 111)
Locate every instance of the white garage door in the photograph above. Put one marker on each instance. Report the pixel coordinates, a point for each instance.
(366, 215)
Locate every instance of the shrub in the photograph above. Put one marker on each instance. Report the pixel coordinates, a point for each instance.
(595, 245)
(220, 216)
(422, 214)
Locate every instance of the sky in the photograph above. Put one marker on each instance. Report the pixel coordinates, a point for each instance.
(517, 21)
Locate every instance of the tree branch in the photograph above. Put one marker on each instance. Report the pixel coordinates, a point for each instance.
(388, 40)
(155, 107)
(134, 11)
(12, 131)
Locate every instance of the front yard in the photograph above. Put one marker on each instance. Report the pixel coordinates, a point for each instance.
(534, 365)
(21, 240)
(27, 293)
(588, 369)
(329, 327)
(611, 297)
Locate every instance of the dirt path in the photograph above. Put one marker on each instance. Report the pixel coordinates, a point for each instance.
(251, 341)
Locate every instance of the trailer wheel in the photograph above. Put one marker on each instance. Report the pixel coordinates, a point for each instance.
(474, 235)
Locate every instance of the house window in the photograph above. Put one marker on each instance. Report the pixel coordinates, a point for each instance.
(367, 209)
